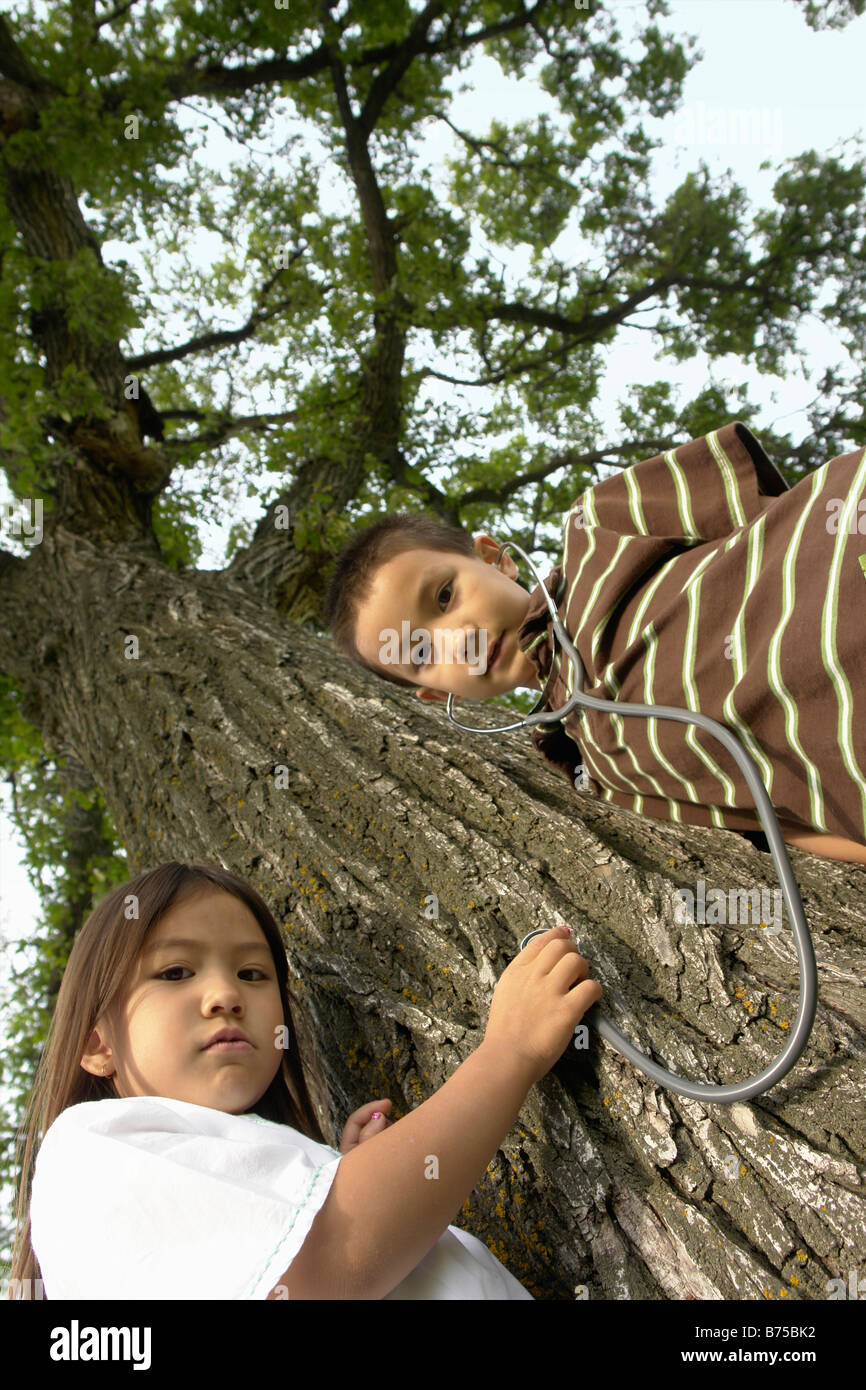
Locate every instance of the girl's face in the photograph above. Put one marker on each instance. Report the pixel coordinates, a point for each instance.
(205, 967)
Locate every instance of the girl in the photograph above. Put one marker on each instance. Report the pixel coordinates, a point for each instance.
(182, 1157)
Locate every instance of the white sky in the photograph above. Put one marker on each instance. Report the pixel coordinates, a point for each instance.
(759, 56)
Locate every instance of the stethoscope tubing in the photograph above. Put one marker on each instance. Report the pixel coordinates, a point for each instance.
(694, 1090)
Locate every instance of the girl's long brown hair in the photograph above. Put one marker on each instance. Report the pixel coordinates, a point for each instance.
(100, 965)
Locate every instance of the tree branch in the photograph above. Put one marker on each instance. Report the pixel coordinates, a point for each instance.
(215, 339)
(214, 79)
(590, 325)
(478, 145)
(43, 207)
(225, 430)
(115, 14)
(385, 82)
(383, 372)
(380, 235)
(588, 328)
(401, 472)
(227, 427)
(15, 65)
(647, 448)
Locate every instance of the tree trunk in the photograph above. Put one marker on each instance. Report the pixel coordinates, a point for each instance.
(216, 730)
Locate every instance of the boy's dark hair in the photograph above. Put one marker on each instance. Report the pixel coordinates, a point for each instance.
(359, 562)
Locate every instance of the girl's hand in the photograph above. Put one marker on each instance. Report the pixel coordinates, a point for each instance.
(361, 1125)
(539, 999)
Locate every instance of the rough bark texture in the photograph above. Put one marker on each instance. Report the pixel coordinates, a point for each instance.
(237, 737)
(227, 731)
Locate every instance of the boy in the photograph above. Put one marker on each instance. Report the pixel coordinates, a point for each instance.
(696, 579)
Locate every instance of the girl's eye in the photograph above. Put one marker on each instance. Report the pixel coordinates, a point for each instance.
(250, 970)
(445, 591)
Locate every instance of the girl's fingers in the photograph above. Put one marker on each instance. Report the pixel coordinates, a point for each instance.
(366, 1113)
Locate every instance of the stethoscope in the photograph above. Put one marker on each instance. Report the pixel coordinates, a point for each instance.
(695, 1090)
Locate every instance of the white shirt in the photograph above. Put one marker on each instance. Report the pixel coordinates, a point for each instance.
(153, 1198)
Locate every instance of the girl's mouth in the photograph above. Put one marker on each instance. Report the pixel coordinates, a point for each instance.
(494, 655)
(236, 1045)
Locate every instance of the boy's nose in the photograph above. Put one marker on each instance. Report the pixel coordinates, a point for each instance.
(482, 649)
(472, 642)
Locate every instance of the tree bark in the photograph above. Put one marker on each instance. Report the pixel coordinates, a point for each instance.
(407, 860)
(237, 737)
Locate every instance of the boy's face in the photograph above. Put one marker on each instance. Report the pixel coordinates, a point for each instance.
(220, 974)
(436, 618)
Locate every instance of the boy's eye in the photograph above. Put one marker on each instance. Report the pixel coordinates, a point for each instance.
(418, 663)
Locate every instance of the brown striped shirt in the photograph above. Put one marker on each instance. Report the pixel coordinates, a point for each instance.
(700, 579)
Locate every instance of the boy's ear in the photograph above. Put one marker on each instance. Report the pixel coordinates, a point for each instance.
(424, 693)
(487, 549)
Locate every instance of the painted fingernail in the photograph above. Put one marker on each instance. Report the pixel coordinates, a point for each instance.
(377, 1115)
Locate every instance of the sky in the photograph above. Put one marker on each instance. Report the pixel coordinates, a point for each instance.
(766, 88)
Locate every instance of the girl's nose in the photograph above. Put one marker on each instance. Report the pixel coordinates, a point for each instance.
(221, 994)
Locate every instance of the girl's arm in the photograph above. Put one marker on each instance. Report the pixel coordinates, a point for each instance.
(389, 1201)
(816, 842)
(387, 1205)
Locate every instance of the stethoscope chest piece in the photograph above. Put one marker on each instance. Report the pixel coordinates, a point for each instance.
(526, 940)
(539, 931)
